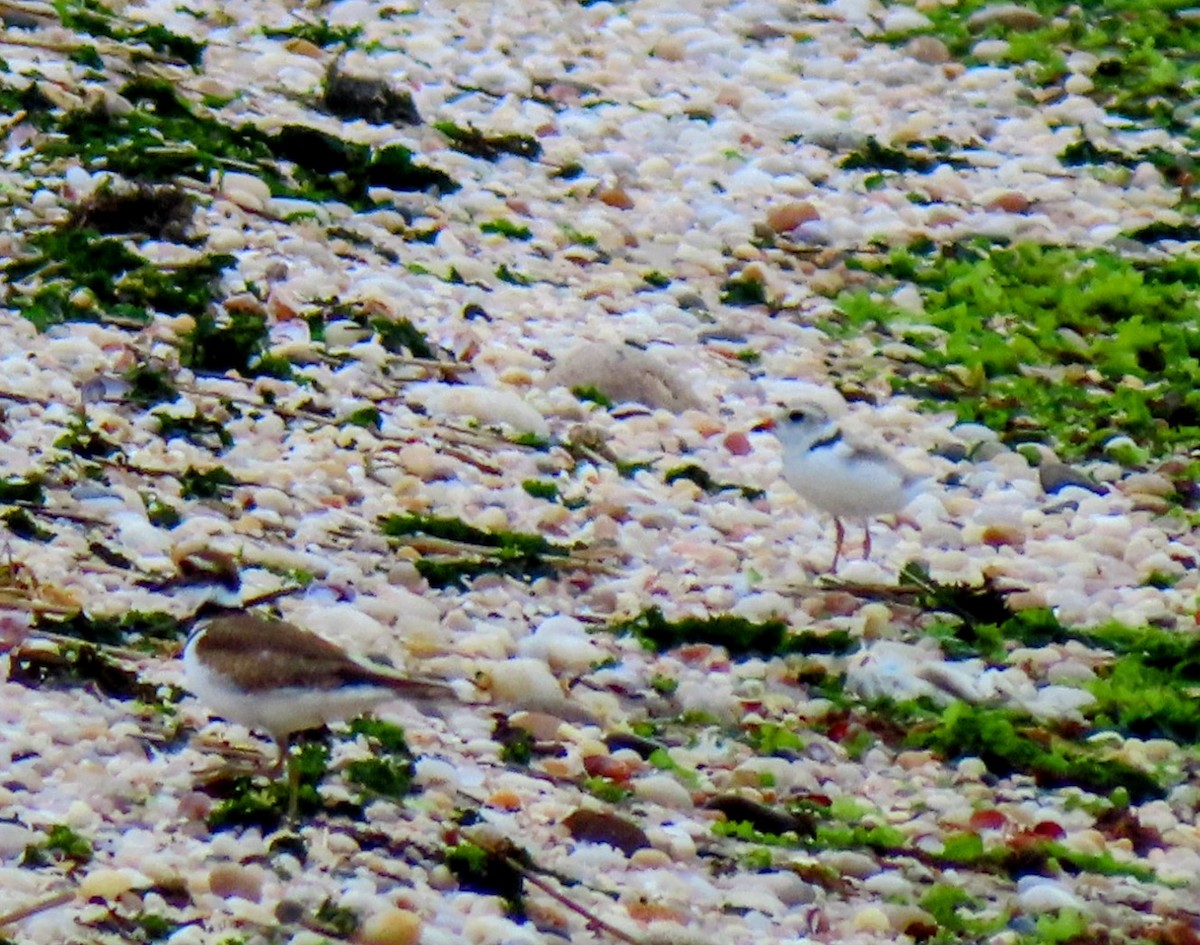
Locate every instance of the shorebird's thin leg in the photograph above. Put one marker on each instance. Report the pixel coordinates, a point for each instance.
(866, 540)
(293, 775)
(293, 790)
(837, 548)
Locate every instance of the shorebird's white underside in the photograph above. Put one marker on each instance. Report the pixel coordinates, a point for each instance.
(837, 481)
(279, 712)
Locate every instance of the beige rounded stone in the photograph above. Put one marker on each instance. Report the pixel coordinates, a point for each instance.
(393, 926)
(234, 880)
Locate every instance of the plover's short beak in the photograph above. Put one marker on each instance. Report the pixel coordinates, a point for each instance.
(764, 426)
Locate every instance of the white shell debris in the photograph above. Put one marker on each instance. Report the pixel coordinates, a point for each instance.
(487, 405)
(693, 161)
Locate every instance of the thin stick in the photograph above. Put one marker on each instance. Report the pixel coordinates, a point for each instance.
(50, 901)
(29, 9)
(24, 398)
(108, 48)
(106, 649)
(15, 598)
(593, 920)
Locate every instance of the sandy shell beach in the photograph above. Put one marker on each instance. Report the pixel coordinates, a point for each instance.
(460, 324)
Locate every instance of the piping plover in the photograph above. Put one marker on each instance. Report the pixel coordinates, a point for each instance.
(840, 477)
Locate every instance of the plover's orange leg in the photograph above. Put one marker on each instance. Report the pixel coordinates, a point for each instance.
(837, 548)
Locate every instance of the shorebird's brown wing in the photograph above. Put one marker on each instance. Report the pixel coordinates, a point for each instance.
(264, 654)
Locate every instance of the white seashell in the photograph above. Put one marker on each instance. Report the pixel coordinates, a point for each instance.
(486, 404)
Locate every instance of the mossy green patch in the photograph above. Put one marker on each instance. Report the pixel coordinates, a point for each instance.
(390, 771)
(248, 802)
(492, 147)
(513, 277)
(489, 872)
(1145, 690)
(740, 637)
(200, 430)
(23, 525)
(84, 441)
(1136, 697)
(507, 229)
(319, 33)
(744, 290)
(163, 136)
(161, 514)
(369, 418)
(206, 484)
(591, 394)
(541, 489)
(477, 552)
(606, 789)
(770, 738)
(84, 665)
(1070, 347)
(150, 385)
(67, 274)
(62, 846)
(341, 921)
(151, 927)
(1149, 58)
(129, 629)
(516, 744)
(236, 343)
(24, 489)
(873, 155)
(95, 19)
(1011, 742)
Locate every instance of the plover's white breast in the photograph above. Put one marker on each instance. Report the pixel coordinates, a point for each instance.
(850, 482)
(279, 710)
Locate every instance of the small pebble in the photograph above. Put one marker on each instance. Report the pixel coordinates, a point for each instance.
(390, 927)
(230, 880)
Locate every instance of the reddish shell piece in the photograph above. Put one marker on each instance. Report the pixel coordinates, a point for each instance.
(593, 826)
(606, 766)
(1049, 830)
(738, 444)
(988, 820)
(615, 197)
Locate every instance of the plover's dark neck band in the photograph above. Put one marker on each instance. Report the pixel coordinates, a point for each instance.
(828, 439)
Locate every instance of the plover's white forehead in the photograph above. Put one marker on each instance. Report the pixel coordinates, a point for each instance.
(804, 414)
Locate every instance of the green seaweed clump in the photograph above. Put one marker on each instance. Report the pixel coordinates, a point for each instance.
(83, 276)
(1010, 742)
(390, 771)
(472, 552)
(62, 846)
(245, 803)
(1044, 343)
(739, 636)
(489, 147)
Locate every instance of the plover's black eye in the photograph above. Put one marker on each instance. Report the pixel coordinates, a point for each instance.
(797, 416)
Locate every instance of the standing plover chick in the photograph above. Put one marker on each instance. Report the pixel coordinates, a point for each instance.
(274, 677)
(840, 477)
